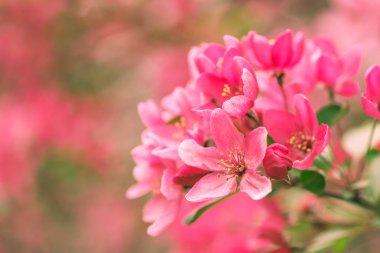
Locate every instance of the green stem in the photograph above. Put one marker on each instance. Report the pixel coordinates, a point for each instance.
(280, 81)
(326, 161)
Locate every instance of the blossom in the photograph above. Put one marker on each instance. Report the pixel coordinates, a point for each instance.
(277, 162)
(234, 161)
(371, 97)
(230, 82)
(337, 72)
(300, 133)
(282, 53)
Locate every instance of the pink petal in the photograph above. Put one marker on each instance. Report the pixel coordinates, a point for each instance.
(224, 132)
(188, 176)
(150, 113)
(256, 186)
(322, 139)
(305, 163)
(277, 129)
(165, 219)
(328, 69)
(372, 79)
(214, 51)
(229, 67)
(250, 86)
(351, 62)
(231, 41)
(237, 106)
(282, 50)
(211, 186)
(204, 64)
(168, 188)
(195, 155)
(347, 88)
(154, 208)
(211, 86)
(370, 108)
(298, 48)
(255, 147)
(138, 190)
(305, 114)
(262, 50)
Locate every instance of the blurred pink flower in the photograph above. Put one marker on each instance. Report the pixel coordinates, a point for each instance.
(371, 97)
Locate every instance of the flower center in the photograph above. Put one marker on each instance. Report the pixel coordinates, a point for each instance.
(234, 164)
(230, 91)
(302, 142)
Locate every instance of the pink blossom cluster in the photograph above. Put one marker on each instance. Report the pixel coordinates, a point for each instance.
(242, 121)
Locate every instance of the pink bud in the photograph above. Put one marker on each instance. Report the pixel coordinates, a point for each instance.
(277, 162)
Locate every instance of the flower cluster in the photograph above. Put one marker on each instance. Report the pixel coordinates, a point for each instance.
(245, 121)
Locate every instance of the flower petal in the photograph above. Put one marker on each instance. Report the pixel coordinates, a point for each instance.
(347, 88)
(250, 86)
(211, 186)
(165, 219)
(328, 69)
(372, 79)
(237, 106)
(274, 123)
(256, 186)
(195, 155)
(211, 86)
(305, 114)
(282, 50)
(225, 134)
(305, 163)
(262, 50)
(255, 147)
(370, 108)
(322, 139)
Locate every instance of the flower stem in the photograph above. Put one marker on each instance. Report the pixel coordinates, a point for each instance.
(280, 81)
(364, 160)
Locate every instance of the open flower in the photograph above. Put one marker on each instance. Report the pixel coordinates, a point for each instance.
(282, 53)
(232, 163)
(337, 72)
(371, 97)
(300, 133)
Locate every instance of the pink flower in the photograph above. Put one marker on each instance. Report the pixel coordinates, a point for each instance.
(300, 133)
(232, 163)
(283, 53)
(337, 72)
(277, 162)
(371, 97)
(233, 84)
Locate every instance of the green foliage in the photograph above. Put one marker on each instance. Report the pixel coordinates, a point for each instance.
(312, 181)
(331, 114)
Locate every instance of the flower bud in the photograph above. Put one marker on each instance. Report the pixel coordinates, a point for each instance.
(277, 162)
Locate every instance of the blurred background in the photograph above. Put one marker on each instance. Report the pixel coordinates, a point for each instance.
(71, 75)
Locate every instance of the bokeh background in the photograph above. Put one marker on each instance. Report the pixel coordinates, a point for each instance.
(71, 75)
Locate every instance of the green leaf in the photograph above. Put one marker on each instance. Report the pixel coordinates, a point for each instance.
(313, 181)
(372, 153)
(194, 216)
(331, 114)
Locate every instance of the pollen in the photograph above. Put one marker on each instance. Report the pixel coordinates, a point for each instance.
(228, 91)
(302, 142)
(233, 164)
